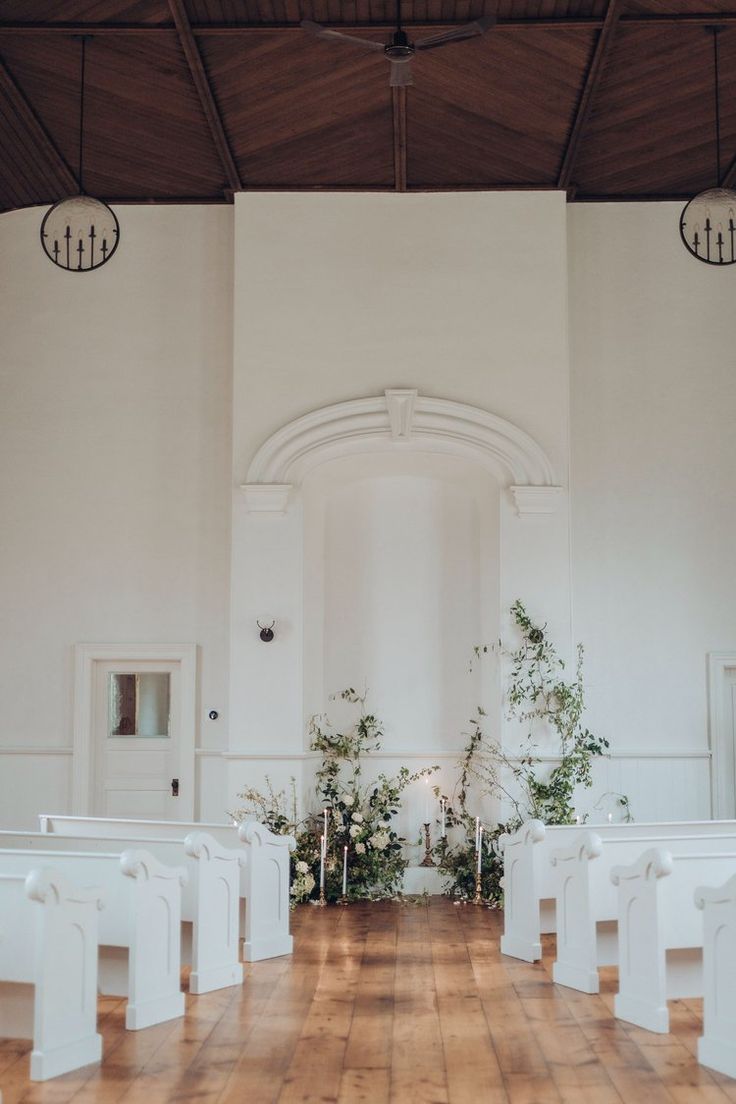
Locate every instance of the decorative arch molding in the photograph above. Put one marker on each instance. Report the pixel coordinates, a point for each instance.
(404, 419)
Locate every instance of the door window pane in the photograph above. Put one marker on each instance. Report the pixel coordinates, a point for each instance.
(139, 704)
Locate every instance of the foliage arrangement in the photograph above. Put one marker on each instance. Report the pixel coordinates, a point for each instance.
(360, 815)
(539, 697)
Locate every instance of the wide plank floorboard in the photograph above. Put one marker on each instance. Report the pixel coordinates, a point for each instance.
(389, 1003)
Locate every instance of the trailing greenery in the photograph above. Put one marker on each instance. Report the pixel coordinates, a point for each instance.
(360, 815)
(538, 697)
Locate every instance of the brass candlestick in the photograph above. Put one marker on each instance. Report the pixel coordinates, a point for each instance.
(343, 900)
(322, 902)
(477, 899)
(427, 860)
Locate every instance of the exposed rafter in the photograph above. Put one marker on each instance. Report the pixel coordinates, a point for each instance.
(209, 30)
(398, 99)
(729, 178)
(38, 139)
(592, 82)
(206, 98)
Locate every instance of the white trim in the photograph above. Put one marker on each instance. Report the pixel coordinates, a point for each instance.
(401, 418)
(718, 731)
(36, 750)
(85, 657)
(445, 753)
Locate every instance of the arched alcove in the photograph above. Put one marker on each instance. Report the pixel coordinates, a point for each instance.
(401, 574)
(386, 537)
(401, 418)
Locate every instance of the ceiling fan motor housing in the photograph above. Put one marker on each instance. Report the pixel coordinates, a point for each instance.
(399, 48)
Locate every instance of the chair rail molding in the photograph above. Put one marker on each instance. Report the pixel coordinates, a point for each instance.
(721, 734)
(401, 418)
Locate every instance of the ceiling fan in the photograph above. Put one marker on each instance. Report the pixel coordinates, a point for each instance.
(400, 51)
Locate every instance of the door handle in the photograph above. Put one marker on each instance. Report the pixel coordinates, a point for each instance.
(174, 787)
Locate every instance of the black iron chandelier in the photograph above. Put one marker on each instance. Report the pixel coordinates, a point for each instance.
(708, 221)
(80, 233)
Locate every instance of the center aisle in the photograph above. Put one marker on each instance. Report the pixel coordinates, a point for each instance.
(389, 1003)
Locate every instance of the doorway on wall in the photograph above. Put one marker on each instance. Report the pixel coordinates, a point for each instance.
(134, 731)
(722, 710)
(137, 732)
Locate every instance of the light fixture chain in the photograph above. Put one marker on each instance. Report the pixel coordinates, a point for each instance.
(81, 116)
(717, 106)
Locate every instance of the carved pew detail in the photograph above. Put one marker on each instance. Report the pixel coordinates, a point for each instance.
(717, 1045)
(48, 969)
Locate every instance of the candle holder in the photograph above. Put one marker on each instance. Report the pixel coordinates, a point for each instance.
(342, 900)
(477, 900)
(322, 903)
(427, 860)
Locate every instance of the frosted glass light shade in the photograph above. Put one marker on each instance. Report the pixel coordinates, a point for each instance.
(80, 233)
(708, 226)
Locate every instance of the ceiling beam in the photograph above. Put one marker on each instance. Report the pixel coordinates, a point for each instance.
(592, 83)
(39, 139)
(204, 92)
(729, 178)
(398, 99)
(205, 30)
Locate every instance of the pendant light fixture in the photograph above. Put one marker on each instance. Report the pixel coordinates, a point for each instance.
(708, 221)
(80, 233)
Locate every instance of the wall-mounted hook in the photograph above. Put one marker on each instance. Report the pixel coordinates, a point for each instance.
(266, 633)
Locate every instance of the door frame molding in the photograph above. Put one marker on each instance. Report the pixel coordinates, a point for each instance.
(83, 750)
(718, 664)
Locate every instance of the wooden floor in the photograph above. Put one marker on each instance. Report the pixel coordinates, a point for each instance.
(388, 1003)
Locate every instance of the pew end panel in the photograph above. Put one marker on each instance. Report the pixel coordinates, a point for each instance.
(717, 1044)
(154, 968)
(267, 880)
(576, 965)
(642, 971)
(48, 956)
(216, 936)
(522, 936)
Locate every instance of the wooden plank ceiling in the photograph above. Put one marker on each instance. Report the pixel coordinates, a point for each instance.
(191, 100)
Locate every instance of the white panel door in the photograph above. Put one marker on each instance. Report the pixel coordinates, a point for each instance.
(137, 730)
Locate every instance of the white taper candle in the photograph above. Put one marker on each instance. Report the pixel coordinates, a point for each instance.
(345, 871)
(322, 842)
(480, 845)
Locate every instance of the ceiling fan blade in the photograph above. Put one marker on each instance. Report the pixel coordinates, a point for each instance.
(328, 34)
(457, 34)
(400, 74)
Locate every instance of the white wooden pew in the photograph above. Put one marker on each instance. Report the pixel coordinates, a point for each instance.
(48, 968)
(209, 901)
(717, 1044)
(586, 901)
(265, 881)
(139, 930)
(661, 932)
(528, 879)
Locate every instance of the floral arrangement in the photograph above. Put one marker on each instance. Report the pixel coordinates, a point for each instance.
(537, 696)
(359, 815)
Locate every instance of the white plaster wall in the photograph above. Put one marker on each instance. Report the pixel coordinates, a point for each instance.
(114, 465)
(653, 396)
(343, 296)
(405, 570)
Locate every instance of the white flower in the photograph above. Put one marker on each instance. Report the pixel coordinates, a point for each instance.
(358, 818)
(348, 799)
(380, 840)
(360, 848)
(354, 830)
(302, 867)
